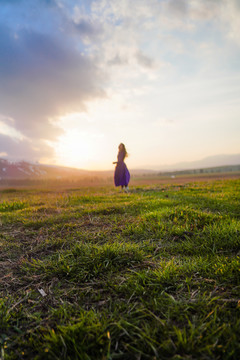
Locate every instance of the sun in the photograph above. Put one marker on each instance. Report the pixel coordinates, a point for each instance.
(75, 148)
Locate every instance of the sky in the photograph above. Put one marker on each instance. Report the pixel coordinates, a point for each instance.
(78, 77)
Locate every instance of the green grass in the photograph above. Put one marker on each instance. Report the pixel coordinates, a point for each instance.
(154, 274)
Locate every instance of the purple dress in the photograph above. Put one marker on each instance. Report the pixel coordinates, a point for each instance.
(121, 175)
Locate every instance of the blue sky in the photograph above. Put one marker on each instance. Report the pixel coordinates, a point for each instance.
(79, 77)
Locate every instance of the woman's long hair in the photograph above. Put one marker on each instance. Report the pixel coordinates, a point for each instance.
(124, 151)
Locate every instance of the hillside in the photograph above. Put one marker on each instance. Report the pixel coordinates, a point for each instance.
(27, 170)
(207, 162)
(23, 170)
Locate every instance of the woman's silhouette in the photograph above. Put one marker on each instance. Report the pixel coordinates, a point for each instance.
(121, 174)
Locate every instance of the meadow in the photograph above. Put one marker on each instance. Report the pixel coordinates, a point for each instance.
(94, 273)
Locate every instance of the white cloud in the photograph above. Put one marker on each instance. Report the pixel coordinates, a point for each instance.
(7, 128)
(121, 71)
(230, 16)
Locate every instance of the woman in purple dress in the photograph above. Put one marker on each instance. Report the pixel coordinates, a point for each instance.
(121, 174)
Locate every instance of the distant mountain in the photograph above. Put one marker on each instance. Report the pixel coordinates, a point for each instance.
(23, 170)
(26, 170)
(210, 161)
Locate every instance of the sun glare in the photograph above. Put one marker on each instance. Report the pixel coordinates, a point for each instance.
(75, 149)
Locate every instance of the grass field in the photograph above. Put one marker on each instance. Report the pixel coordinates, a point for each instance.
(93, 273)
